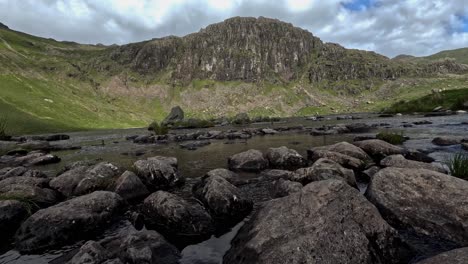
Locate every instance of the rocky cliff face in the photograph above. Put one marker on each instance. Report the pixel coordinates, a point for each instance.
(257, 49)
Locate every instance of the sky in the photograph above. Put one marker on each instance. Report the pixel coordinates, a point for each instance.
(389, 27)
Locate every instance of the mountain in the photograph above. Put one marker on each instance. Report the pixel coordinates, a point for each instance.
(257, 65)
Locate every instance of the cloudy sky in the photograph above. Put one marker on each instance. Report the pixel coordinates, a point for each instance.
(390, 27)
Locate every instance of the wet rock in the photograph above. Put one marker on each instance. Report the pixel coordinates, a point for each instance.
(177, 218)
(285, 158)
(40, 197)
(144, 139)
(169, 160)
(423, 122)
(358, 128)
(12, 172)
(130, 187)
(31, 159)
(399, 161)
(67, 222)
(250, 160)
(273, 175)
(17, 152)
(83, 179)
(224, 200)
(228, 175)
(324, 169)
(456, 256)
(464, 146)
(176, 115)
(362, 138)
(342, 227)
(342, 159)
(416, 155)
(323, 132)
(195, 144)
(158, 173)
(379, 149)
(35, 145)
(269, 131)
(57, 137)
(283, 188)
(346, 149)
(129, 246)
(12, 213)
(446, 141)
(24, 180)
(370, 172)
(424, 201)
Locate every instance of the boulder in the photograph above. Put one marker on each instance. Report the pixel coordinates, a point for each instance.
(68, 222)
(342, 159)
(269, 131)
(379, 149)
(228, 175)
(57, 137)
(424, 201)
(400, 162)
(358, 128)
(158, 173)
(12, 172)
(177, 218)
(370, 172)
(464, 146)
(176, 115)
(224, 200)
(326, 222)
(194, 144)
(83, 179)
(130, 187)
(456, 256)
(12, 213)
(285, 158)
(34, 159)
(346, 149)
(37, 196)
(250, 160)
(324, 169)
(416, 155)
(129, 246)
(446, 141)
(283, 188)
(24, 180)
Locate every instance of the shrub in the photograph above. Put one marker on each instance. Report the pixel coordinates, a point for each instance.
(3, 129)
(392, 138)
(458, 165)
(158, 128)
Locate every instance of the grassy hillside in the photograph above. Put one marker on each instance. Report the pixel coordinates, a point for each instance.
(51, 86)
(460, 55)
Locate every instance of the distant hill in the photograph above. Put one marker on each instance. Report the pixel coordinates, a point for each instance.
(260, 66)
(459, 55)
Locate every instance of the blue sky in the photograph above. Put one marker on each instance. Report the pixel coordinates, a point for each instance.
(389, 27)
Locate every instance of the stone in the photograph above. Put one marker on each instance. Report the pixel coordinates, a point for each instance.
(158, 173)
(427, 202)
(456, 256)
(464, 146)
(358, 128)
(370, 172)
(346, 149)
(177, 218)
(57, 137)
(12, 213)
(224, 200)
(12, 172)
(195, 144)
(130, 187)
(37, 196)
(250, 160)
(324, 169)
(446, 141)
(35, 145)
(176, 115)
(342, 159)
(399, 161)
(285, 158)
(67, 222)
(269, 131)
(379, 149)
(326, 222)
(24, 180)
(228, 175)
(283, 188)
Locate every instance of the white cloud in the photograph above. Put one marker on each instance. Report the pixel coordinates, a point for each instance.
(416, 27)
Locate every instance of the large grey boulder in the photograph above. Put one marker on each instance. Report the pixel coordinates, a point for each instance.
(424, 201)
(130, 187)
(158, 173)
(24, 180)
(342, 159)
(346, 149)
(12, 213)
(68, 222)
(228, 175)
(281, 188)
(224, 200)
(83, 179)
(379, 149)
(128, 246)
(446, 141)
(37, 196)
(324, 169)
(285, 158)
(250, 160)
(176, 115)
(456, 256)
(326, 222)
(400, 162)
(177, 218)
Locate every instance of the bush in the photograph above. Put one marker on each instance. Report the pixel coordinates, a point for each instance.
(3, 129)
(458, 165)
(392, 138)
(158, 128)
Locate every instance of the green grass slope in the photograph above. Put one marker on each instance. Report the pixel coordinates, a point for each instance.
(460, 55)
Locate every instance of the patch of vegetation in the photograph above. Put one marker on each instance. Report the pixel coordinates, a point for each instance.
(451, 99)
(458, 165)
(29, 204)
(3, 128)
(391, 137)
(158, 128)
